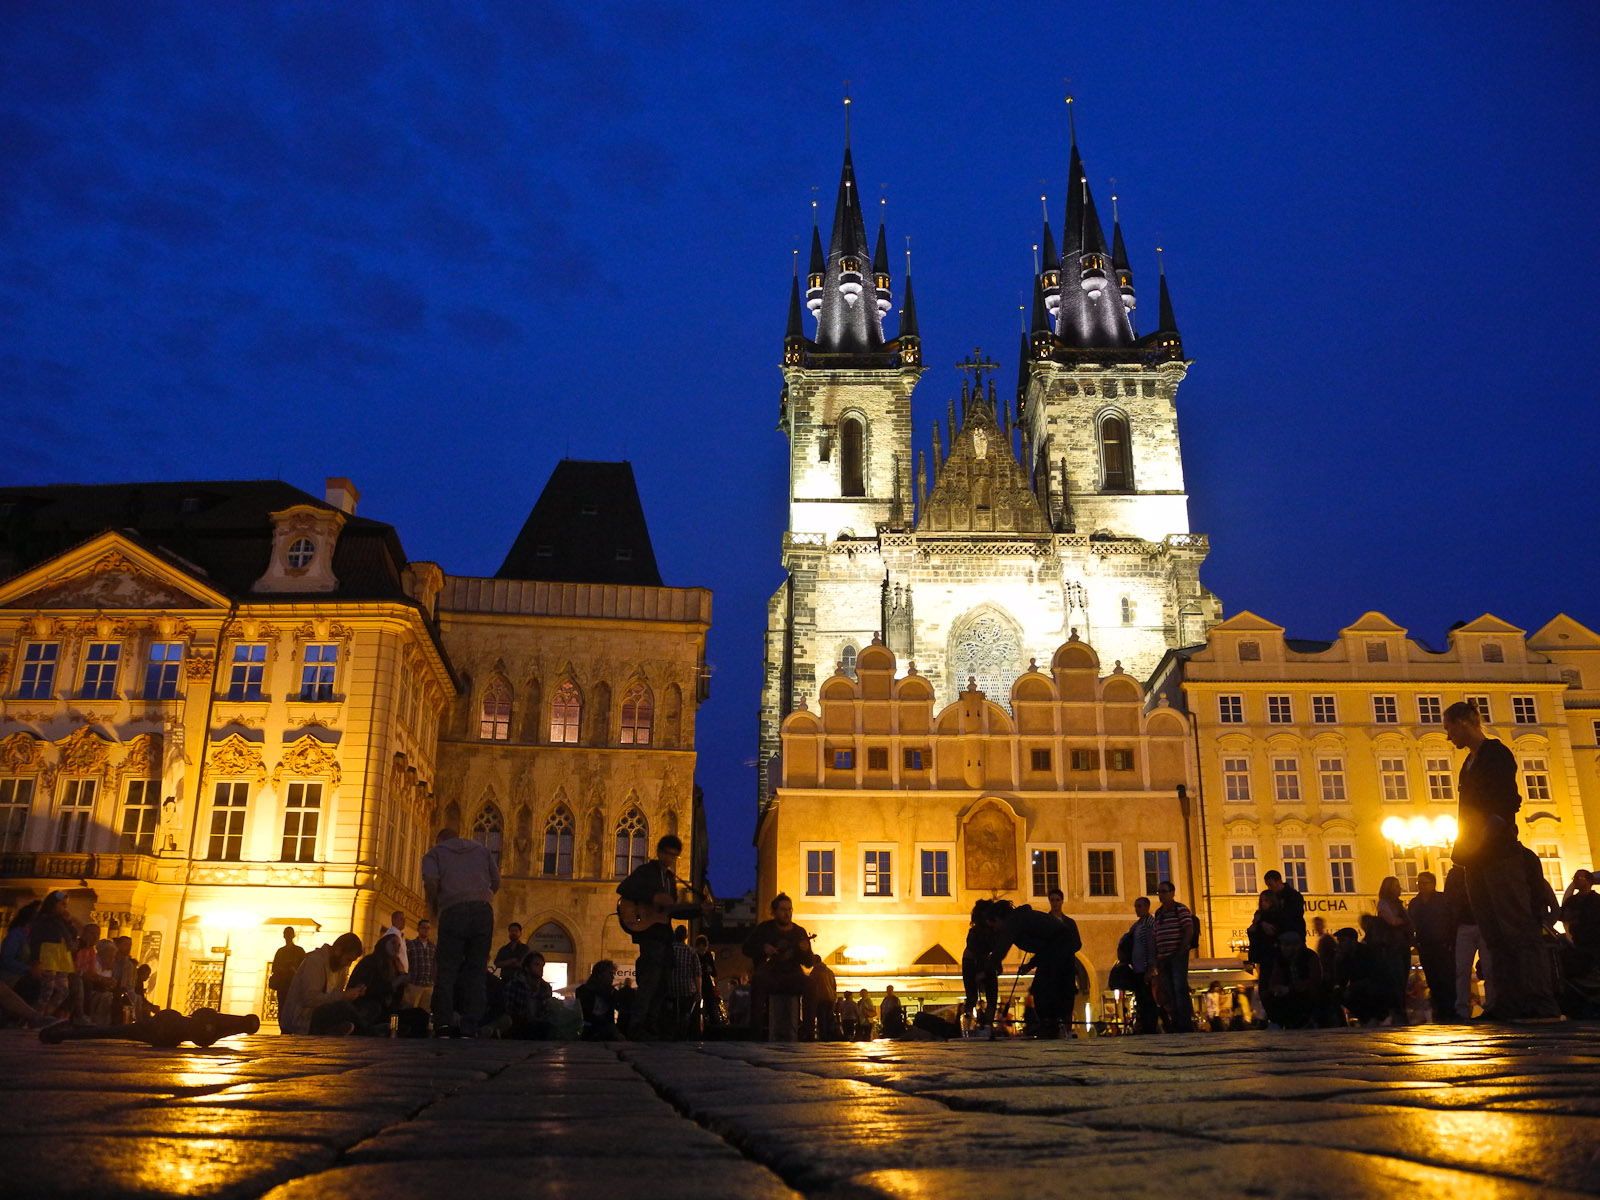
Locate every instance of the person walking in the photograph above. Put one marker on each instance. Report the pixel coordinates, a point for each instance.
(284, 965)
(460, 878)
(1470, 951)
(1175, 933)
(1498, 883)
(1435, 927)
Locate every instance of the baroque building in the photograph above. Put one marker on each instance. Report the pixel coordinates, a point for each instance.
(1328, 760)
(1024, 519)
(572, 748)
(218, 715)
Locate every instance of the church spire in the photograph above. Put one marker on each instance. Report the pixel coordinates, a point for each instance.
(910, 340)
(1091, 314)
(794, 333)
(818, 268)
(1166, 323)
(1119, 261)
(849, 320)
(880, 262)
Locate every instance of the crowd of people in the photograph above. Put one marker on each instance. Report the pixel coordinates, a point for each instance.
(54, 969)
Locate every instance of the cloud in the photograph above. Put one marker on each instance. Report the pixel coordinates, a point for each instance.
(483, 326)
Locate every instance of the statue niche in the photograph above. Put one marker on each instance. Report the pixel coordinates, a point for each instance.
(989, 839)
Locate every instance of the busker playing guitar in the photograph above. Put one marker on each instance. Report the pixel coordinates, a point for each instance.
(650, 896)
(780, 950)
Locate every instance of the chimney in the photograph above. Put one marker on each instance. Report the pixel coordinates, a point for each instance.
(342, 494)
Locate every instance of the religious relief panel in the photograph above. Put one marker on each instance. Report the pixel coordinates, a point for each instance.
(989, 839)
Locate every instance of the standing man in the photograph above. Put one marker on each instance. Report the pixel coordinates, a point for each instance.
(1142, 960)
(420, 953)
(397, 926)
(460, 878)
(1054, 946)
(654, 883)
(1580, 913)
(284, 964)
(1175, 933)
(1291, 914)
(1435, 926)
(1498, 882)
(684, 985)
(513, 951)
(1056, 897)
(1469, 947)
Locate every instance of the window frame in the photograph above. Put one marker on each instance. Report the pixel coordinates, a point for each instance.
(1524, 710)
(1341, 882)
(37, 678)
(1337, 774)
(318, 675)
(1236, 780)
(75, 820)
(140, 840)
(1230, 708)
(1146, 849)
(1385, 708)
(923, 851)
(1394, 779)
(227, 822)
(1325, 709)
(158, 667)
(640, 833)
(1535, 779)
(1296, 868)
(1248, 883)
(1430, 710)
(247, 673)
(911, 758)
(1289, 775)
(1441, 777)
(831, 851)
(558, 824)
(1280, 708)
(637, 715)
(299, 814)
(106, 667)
(1090, 871)
(876, 871)
(566, 714)
(1057, 852)
(15, 814)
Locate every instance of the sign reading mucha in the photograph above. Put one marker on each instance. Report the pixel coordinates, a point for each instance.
(989, 838)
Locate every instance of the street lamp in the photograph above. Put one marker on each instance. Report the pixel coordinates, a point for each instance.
(1421, 833)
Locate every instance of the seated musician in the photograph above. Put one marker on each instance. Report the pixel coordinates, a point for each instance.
(780, 950)
(654, 888)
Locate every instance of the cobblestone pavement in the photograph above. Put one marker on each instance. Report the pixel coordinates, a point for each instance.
(1463, 1113)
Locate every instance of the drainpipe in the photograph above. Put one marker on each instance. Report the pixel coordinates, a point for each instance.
(1205, 839)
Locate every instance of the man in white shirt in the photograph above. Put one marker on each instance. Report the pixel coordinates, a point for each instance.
(318, 1001)
(397, 926)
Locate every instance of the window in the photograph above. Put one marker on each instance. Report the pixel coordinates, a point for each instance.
(1250, 651)
(1377, 652)
(1286, 780)
(1102, 872)
(249, 664)
(1085, 760)
(1550, 863)
(1230, 710)
(1524, 710)
(1430, 710)
(877, 758)
(1129, 610)
(1046, 872)
(1280, 710)
(1157, 870)
(494, 717)
(819, 873)
(316, 671)
(141, 811)
(558, 832)
(565, 710)
(1535, 779)
(877, 873)
(76, 815)
(632, 835)
(852, 473)
(1294, 866)
(100, 671)
(1324, 710)
(1385, 710)
(1330, 777)
(1244, 870)
(1595, 731)
(489, 829)
(1115, 472)
(38, 670)
(1040, 759)
(1121, 760)
(847, 660)
(302, 813)
(228, 805)
(911, 760)
(1342, 869)
(844, 760)
(1493, 652)
(301, 552)
(1404, 867)
(16, 799)
(161, 670)
(638, 710)
(1441, 779)
(1392, 775)
(936, 872)
(624, 554)
(1236, 780)
(1481, 703)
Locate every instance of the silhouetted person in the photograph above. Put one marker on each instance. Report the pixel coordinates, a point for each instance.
(284, 964)
(460, 878)
(1435, 927)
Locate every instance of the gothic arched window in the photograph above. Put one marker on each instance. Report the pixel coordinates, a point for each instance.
(487, 828)
(1129, 610)
(638, 711)
(852, 459)
(558, 831)
(847, 660)
(494, 721)
(566, 706)
(988, 650)
(633, 835)
(1116, 467)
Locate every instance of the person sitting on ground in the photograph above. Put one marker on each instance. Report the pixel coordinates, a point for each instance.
(318, 1002)
(1293, 988)
(597, 1003)
(17, 968)
(382, 986)
(1362, 986)
(529, 999)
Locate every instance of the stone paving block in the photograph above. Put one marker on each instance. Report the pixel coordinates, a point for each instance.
(333, 1127)
(471, 1106)
(111, 1168)
(1282, 1173)
(635, 1138)
(1222, 1113)
(543, 1178)
(1466, 1095)
(29, 1109)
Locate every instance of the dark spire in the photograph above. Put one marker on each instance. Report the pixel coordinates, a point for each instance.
(1091, 315)
(1166, 322)
(1041, 319)
(1022, 375)
(1052, 260)
(1084, 233)
(849, 306)
(1119, 252)
(880, 256)
(908, 311)
(819, 260)
(849, 227)
(794, 331)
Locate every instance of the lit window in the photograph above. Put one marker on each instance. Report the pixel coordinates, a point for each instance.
(1286, 780)
(1342, 869)
(1481, 703)
(1404, 867)
(1324, 710)
(317, 671)
(302, 813)
(1236, 780)
(1535, 779)
(1157, 870)
(1524, 710)
(1392, 775)
(911, 760)
(1441, 779)
(844, 760)
(1294, 867)
(494, 720)
(76, 816)
(1280, 710)
(488, 829)
(1243, 859)
(100, 671)
(1550, 863)
(249, 665)
(1230, 710)
(1330, 776)
(565, 710)
(141, 811)
(1430, 710)
(38, 670)
(558, 834)
(1046, 872)
(819, 873)
(936, 872)
(301, 552)
(1085, 760)
(638, 711)
(1120, 760)
(1385, 710)
(877, 873)
(16, 801)
(228, 808)
(1102, 872)
(161, 670)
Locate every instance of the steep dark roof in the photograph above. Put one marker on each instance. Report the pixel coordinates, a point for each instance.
(588, 527)
(222, 527)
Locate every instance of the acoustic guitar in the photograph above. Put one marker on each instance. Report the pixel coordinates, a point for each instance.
(635, 916)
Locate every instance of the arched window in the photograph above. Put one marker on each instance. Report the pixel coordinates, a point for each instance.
(558, 844)
(986, 649)
(1116, 468)
(494, 722)
(633, 834)
(852, 459)
(487, 827)
(638, 711)
(847, 660)
(1130, 610)
(565, 709)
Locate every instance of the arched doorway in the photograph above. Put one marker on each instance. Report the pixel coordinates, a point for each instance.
(560, 955)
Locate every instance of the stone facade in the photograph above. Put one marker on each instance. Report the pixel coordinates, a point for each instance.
(1308, 749)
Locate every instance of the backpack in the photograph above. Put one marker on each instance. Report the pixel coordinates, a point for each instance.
(1195, 943)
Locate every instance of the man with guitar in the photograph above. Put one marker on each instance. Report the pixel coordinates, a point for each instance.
(648, 904)
(781, 951)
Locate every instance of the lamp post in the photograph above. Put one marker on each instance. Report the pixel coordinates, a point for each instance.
(1421, 833)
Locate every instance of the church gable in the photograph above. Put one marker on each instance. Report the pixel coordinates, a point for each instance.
(110, 572)
(981, 488)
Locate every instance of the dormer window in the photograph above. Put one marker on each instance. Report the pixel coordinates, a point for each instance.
(300, 535)
(589, 510)
(624, 555)
(301, 552)
(1493, 652)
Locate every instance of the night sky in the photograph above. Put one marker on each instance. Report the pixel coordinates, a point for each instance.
(436, 247)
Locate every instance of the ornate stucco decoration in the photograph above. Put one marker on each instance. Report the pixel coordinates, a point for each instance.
(84, 752)
(143, 759)
(198, 666)
(20, 753)
(309, 757)
(233, 756)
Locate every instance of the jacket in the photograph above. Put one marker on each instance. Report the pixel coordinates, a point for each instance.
(459, 871)
(316, 983)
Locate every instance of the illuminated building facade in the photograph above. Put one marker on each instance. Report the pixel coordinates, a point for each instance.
(1328, 761)
(896, 810)
(572, 748)
(219, 717)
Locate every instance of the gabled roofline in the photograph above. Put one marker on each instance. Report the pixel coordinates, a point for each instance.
(145, 558)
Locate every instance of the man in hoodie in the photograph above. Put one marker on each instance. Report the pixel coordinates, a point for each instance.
(460, 878)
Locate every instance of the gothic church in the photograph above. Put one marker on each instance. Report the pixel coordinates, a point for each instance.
(1065, 511)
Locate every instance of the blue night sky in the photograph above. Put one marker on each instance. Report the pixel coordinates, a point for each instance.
(436, 247)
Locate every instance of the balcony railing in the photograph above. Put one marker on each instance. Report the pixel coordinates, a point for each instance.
(46, 865)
